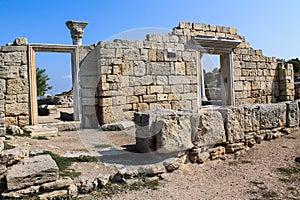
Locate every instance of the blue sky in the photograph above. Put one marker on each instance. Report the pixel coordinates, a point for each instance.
(270, 25)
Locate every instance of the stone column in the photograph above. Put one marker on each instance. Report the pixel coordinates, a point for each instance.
(77, 31)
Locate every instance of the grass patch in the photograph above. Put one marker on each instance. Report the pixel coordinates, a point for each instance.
(64, 162)
(235, 163)
(69, 173)
(114, 188)
(269, 194)
(8, 146)
(289, 171)
(40, 138)
(102, 146)
(291, 189)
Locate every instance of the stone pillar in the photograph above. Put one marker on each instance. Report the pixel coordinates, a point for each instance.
(77, 31)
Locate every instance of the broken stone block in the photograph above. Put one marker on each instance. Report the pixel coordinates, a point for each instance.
(272, 115)
(20, 41)
(57, 185)
(2, 143)
(53, 195)
(211, 129)
(252, 118)
(174, 163)
(234, 123)
(34, 171)
(231, 148)
(15, 130)
(217, 152)
(292, 114)
(13, 156)
(164, 130)
(122, 125)
(27, 192)
(41, 130)
(153, 169)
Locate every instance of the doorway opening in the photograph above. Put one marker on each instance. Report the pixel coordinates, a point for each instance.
(71, 52)
(212, 80)
(55, 96)
(216, 79)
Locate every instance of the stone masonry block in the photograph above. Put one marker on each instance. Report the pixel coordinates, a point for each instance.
(292, 114)
(210, 129)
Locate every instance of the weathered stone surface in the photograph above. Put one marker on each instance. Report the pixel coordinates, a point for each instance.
(122, 125)
(252, 118)
(17, 86)
(2, 143)
(13, 156)
(53, 195)
(292, 114)
(16, 109)
(217, 152)
(41, 130)
(56, 185)
(35, 170)
(234, 123)
(27, 192)
(86, 185)
(174, 163)
(153, 169)
(231, 148)
(15, 130)
(164, 130)
(211, 128)
(20, 41)
(272, 116)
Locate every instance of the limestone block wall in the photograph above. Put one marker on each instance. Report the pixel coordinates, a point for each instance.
(233, 128)
(162, 71)
(14, 87)
(145, 75)
(257, 78)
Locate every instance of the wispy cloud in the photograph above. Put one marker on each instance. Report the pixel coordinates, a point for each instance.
(67, 77)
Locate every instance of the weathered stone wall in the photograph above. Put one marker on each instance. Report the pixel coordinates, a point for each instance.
(234, 128)
(119, 78)
(14, 87)
(145, 75)
(257, 78)
(162, 72)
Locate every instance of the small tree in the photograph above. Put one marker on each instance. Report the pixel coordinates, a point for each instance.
(41, 82)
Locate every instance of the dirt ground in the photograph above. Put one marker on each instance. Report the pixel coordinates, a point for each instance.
(253, 175)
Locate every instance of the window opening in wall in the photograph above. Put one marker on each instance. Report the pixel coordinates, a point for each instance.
(213, 85)
(56, 104)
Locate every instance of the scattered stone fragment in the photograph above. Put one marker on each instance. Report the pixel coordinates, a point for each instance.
(2, 143)
(13, 156)
(231, 148)
(41, 130)
(122, 125)
(153, 169)
(53, 195)
(174, 163)
(27, 192)
(15, 130)
(217, 152)
(56, 185)
(35, 170)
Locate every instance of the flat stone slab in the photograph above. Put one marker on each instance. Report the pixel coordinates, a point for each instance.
(122, 125)
(34, 171)
(41, 130)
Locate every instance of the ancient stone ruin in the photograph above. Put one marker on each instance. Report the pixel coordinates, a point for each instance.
(159, 83)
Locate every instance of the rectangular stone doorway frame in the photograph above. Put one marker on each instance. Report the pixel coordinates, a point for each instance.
(52, 48)
(226, 65)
